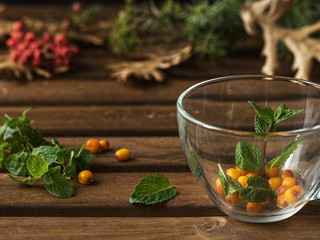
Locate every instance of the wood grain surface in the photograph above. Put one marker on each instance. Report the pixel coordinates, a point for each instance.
(140, 115)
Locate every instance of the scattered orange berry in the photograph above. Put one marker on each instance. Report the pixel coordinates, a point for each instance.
(233, 198)
(281, 201)
(233, 173)
(92, 146)
(103, 145)
(254, 207)
(122, 154)
(219, 187)
(243, 180)
(286, 173)
(291, 195)
(241, 171)
(85, 177)
(252, 174)
(281, 190)
(289, 182)
(273, 172)
(274, 182)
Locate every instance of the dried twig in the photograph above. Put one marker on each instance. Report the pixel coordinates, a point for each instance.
(303, 47)
(150, 68)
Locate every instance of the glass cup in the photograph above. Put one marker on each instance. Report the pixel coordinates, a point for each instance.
(214, 116)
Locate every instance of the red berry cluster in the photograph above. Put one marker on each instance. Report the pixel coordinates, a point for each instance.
(47, 52)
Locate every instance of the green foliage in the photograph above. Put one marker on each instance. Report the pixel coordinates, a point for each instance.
(229, 184)
(153, 189)
(248, 157)
(212, 27)
(257, 191)
(284, 155)
(25, 153)
(194, 165)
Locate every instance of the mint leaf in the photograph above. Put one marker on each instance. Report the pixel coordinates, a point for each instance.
(229, 184)
(257, 191)
(248, 157)
(282, 113)
(56, 184)
(153, 189)
(64, 156)
(49, 153)
(194, 165)
(37, 166)
(3, 154)
(71, 172)
(284, 155)
(25, 180)
(265, 113)
(16, 164)
(82, 159)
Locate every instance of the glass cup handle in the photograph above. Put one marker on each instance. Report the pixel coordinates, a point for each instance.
(316, 195)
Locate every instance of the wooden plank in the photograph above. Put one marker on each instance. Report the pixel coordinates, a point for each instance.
(101, 120)
(108, 197)
(73, 91)
(148, 154)
(298, 227)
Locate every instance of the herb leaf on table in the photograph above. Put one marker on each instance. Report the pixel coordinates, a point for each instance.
(153, 189)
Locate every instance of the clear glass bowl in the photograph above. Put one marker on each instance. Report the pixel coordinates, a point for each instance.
(214, 115)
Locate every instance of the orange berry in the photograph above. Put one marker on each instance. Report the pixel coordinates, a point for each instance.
(233, 198)
(274, 182)
(254, 207)
(273, 172)
(289, 182)
(298, 189)
(241, 171)
(122, 154)
(281, 201)
(286, 173)
(104, 145)
(252, 174)
(233, 173)
(92, 146)
(291, 195)
(243, 180)
(281, 190)
(85, 177)
(219, 187)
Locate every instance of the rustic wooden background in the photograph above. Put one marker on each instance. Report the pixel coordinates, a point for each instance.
(141, 116)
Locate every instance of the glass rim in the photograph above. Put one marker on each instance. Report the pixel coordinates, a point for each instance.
(199, 123)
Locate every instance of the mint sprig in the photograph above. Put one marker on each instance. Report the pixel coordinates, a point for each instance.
(251, 158)
(28, 157)
(153, 189)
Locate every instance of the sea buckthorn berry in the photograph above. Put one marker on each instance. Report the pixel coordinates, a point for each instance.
(286, 173)
(252, 174)
(233, 198)
(243, 180)
(281, 190)
(254, 207)
(274, 182)
(122, 154)
(281, 201)
(92, 146)
(241, 171)
(289, 182)
(273, 172)
(233, 173)
(104, 145)
(291, 195)
(219, 186)
(85, 177)
(299, 190)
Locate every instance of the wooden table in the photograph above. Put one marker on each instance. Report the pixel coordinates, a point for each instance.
(141, 116)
